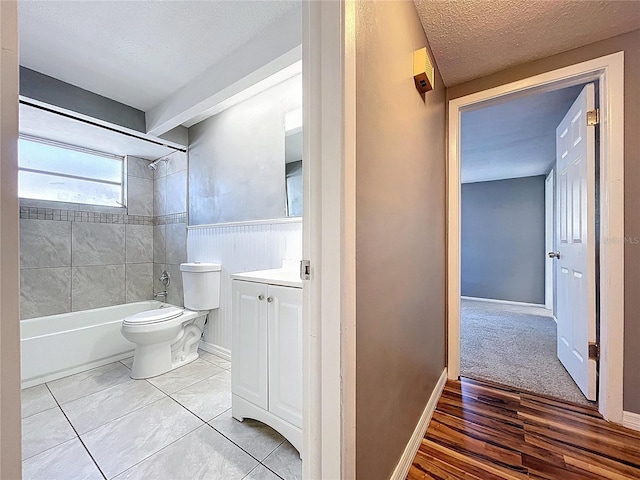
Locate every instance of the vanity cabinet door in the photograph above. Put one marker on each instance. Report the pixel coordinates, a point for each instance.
(285, 353)
(249, 342)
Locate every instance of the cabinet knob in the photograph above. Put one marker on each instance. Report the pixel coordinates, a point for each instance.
(269, 299)
(260, 297)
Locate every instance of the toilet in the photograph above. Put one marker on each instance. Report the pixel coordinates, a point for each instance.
(168, 337)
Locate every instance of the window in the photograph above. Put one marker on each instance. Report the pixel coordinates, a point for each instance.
(63, 173)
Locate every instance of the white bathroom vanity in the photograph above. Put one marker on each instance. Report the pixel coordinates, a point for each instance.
(266, 377)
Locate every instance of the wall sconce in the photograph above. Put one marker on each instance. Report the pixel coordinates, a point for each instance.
(423, 70)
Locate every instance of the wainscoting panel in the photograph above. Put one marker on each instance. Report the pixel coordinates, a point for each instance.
(240, 247)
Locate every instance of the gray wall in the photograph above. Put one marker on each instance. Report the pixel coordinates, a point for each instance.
(400, 236)
(75, 257)
(503, 239)
(630, 44)
(236, 159)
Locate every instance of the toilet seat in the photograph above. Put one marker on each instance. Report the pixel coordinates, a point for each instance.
(149, 317)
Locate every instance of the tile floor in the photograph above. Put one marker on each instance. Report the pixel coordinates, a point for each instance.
(101, 424)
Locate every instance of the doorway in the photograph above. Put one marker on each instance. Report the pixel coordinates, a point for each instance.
(607, 71)
(323, 365)
(508, 328)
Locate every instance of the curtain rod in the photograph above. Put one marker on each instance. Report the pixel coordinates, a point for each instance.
(95, 124)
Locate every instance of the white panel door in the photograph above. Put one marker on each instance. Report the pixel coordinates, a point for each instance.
(549, 240)
(285, 353)
(249, 342)
(575, 242)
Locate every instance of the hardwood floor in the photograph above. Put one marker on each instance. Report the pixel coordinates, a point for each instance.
(481, 431)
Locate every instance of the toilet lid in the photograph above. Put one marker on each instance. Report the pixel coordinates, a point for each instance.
(154, 316)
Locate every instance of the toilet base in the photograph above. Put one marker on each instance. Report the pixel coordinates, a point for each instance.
(155, 359)
(151, 361)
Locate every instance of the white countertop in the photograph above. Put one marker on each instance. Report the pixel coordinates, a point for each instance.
(277, 276)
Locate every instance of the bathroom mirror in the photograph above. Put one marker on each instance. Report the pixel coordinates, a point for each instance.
(238, 168)
(293, 173)
(293, 162)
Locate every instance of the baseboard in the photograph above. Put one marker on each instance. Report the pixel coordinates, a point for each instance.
(216, 350)
(402, 469)
(631, 420)
(506, 302)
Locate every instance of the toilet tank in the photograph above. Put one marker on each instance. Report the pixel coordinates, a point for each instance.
(201, 285)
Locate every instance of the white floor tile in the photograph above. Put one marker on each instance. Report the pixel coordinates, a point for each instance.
(67, 461)
(131, 425)
(207, 398)
(122, 443)
(91, 381)
(216, 360)
(36, 399)
(185, 376)
(254, 437)
(261, 473)
(285, 461)
(92, 411)
(203, 454)
(43, 431)
(127, 362)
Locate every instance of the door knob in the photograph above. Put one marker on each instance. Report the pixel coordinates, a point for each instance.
(269, 299)
(554, 254)
(261, 297)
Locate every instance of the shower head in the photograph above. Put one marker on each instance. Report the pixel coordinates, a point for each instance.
(153, 165)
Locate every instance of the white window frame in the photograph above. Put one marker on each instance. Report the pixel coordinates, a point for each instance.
(88, 151)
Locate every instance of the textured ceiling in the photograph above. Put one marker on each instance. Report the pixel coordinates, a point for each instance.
(513, 139)
(137, 52)
(473, 38)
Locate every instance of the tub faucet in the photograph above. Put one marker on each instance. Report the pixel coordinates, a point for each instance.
(162, 294)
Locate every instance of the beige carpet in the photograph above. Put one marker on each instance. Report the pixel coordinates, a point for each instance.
(514, 345)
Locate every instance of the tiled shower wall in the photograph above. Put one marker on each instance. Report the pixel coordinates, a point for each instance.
(170, 229)
(75, 257)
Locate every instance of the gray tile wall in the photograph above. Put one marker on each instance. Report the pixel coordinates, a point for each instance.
(75, 257)
(170, 223)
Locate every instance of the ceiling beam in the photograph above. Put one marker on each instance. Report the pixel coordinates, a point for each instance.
(51, 91)
(275, 49)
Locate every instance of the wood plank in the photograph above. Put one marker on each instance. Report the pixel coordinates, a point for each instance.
(508, 437)
(562, 405)
(469, 445)
(436, 466)
(513, 428)
(573, 437)
(482, 431)
(577, 456)
(589, 423)
(481, 408)
(541, 467)
(482, 469)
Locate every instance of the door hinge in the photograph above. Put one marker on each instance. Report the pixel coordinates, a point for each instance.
(593, 117)
(594, 351)
(305, 270)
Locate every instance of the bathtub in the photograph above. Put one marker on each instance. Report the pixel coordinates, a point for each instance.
(59, 345)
